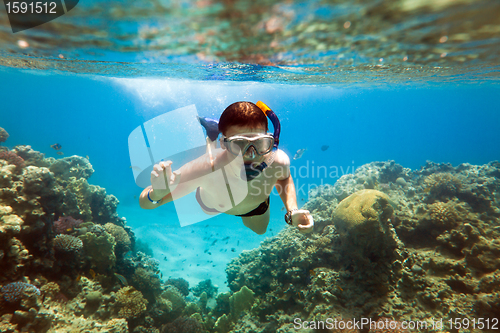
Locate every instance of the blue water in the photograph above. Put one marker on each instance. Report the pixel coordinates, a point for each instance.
(91, 115)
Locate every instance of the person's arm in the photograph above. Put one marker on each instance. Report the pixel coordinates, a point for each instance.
(302, 219)
(286, 190)
(168, 186)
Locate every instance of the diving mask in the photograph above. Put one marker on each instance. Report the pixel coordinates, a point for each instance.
(239, 144)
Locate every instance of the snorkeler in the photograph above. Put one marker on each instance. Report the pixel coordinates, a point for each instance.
(244, 132)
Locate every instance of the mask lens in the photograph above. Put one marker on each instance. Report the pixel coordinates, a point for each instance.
(238, 145)
(263, 145)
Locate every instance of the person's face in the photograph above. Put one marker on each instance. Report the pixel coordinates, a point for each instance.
(250, 155)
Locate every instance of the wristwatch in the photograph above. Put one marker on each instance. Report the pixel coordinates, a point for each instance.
(155, 202)
(288, 216)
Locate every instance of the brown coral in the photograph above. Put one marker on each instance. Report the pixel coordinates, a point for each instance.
(3, 135)
(443, 215)
(122, 239)
(67, 243)
(12, 158)
(132, 303)
(442, 185)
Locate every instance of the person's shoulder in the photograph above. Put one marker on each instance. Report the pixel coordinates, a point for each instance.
(281, 158)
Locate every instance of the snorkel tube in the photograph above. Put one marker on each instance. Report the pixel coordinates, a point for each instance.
(251, 171)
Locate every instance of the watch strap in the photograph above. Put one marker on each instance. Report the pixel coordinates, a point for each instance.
(155, 202)
(288, 216)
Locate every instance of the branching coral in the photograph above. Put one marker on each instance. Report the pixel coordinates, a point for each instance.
(132, 303)
(67, 243)
(442, 185)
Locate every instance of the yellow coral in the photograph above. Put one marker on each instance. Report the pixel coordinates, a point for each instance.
(361, 207)
(132, 303)
(50, 289)
(442, 214)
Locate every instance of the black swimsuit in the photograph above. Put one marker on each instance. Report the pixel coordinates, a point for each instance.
(261, 209)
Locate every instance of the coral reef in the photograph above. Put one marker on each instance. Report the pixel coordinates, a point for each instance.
(131, 302)
(181, 285)
(15, 291)
(100, 250)
(389, 242)
(3, 135)
(205, 286)
(122, 239)
(66, 224)
(67, 243)
(13, 159)
(182, 325)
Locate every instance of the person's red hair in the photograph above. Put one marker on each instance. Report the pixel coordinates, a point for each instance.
(242, 114)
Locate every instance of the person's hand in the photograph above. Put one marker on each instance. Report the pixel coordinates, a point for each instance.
(303, 220)
(163, 180)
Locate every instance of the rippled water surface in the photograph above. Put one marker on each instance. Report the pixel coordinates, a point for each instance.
(305, 42)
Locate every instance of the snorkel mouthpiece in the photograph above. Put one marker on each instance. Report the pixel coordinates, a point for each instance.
(252, 172)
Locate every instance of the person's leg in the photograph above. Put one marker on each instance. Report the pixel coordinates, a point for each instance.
(257, 223)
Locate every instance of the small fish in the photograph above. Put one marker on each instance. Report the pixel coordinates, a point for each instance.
(56, 146)
(92, 273)
(135, 168)
(122, 279)
(225, 238)
(87, 157)
(233, 249)
(69, 229)
(299, 153)
(340, 288)
(78, 278)
(60, 153)
(312, 272)
(324, 148)
(213, 243)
